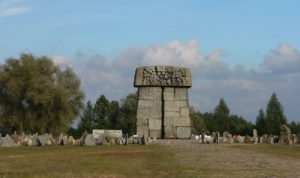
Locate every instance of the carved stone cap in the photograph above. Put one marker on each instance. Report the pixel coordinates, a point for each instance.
(168, 76)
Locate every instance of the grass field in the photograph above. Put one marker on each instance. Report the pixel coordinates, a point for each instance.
(164, 159)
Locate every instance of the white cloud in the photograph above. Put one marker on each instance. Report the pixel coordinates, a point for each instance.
(61, 61)
(284, 59)
(174, 53)
(10, 8)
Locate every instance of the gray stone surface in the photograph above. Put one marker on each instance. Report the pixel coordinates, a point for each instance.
(241, 139)
(7, 141)
(255, 136)
(163, 101)
(63, 139)
(71, 140)
(44, 139)
(98, 133)
(34, 140)
(89, 140)
(183, 132)
(270, 139)
(285, 134)
(113, 134)
(163, 76)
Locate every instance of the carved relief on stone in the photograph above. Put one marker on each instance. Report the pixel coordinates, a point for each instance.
(163, 76)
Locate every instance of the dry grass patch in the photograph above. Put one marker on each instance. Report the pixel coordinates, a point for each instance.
(97, 161)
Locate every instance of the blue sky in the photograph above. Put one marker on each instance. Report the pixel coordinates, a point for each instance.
(252, 46)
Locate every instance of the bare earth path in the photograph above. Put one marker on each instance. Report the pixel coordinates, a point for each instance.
(234, 160)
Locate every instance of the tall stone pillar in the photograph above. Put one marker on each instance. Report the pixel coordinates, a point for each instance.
(163, 104)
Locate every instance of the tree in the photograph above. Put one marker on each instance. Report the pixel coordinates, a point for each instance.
(222, 109)
(38, 96)
(295, 127)
(261, 123)
(114, 114)
(275, 115)
(198, 125)
(101, 110)
(87, 119)
(221, 114)
(128, 114)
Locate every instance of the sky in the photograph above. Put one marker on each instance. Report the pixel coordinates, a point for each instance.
(242, 51)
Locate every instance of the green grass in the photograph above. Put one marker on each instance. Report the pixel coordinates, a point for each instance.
(97, 161)
(134, 161)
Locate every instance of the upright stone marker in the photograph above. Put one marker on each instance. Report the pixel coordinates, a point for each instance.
(7, 141)
(163, 105)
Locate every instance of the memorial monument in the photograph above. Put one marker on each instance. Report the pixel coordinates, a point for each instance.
(163, 103)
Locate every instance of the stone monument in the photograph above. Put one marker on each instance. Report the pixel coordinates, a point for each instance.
(285, 134)
(163, 104)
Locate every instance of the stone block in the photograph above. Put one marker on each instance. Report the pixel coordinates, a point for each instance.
(65, 140)
(113, 133)
(169, 121)
(7, 141)
(34, 140)
(156, 96)
(169, 89)
(181, 94)
(184, 112)
(172, 114)
(142, 130)
(44, 139)
(141, 121)
(171, 106)
(71, 140)
(145, 103)
(145, 113)
(89, 140)
(183, 132)
(170, 132)
(182, 121)
(156, 109)
(138, 77)
(144, 93)
(154, 124)
(155, 133)
(155, 89)
(169, 96)
(183, 103)
(97, 133)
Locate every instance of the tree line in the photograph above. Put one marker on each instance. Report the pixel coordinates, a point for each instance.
(105, 114)
(267, 122)
(219, 120)
(38, 96)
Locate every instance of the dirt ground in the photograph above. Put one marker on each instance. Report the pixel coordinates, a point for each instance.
(234, 160)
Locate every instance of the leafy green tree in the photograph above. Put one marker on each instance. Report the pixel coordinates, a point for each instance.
(87, 119)
(275, 115)
(221, 120)
(128, 114)
(38, 96)
(210, 121)
(101, 111)
(261, 123)
(239, 125)
(198, 125)
(295, 127)
(114, 114)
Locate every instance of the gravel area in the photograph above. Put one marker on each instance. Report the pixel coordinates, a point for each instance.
(225, 160)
